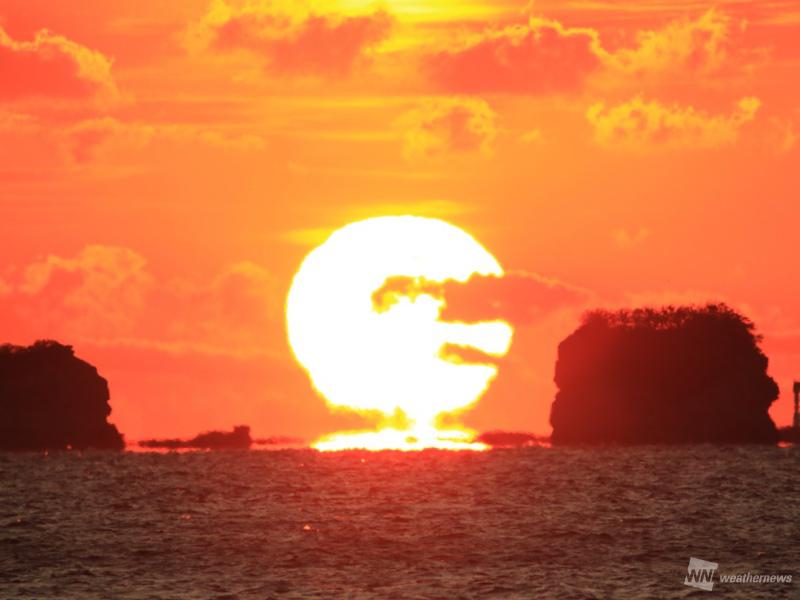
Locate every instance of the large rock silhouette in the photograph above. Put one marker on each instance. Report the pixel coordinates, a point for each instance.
(50, 399)
(671, 375)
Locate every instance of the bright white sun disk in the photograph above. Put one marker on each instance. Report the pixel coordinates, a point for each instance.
(363, 359)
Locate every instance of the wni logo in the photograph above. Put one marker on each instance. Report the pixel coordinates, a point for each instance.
(701, 574)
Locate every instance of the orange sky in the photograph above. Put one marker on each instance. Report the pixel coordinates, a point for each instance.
(165, 166)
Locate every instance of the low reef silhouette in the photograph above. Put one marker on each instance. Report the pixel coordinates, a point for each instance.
(238, 439)
(790, 435)
(278, 440)
(52, 400)
(673, 375)
(509, 439)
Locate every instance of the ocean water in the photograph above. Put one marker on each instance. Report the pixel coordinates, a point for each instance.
(525, 523)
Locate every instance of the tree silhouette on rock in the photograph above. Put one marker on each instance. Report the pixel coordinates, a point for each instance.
(672, 375)
(49, 399)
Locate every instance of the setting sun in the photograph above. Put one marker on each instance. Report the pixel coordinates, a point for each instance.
(364, 358)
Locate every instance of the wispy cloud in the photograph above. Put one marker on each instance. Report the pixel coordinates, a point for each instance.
(445, 125)
(642, 124)
(107, 295)
(291, 37)
(51, 65)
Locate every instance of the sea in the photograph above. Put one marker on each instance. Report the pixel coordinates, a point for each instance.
(529, 523)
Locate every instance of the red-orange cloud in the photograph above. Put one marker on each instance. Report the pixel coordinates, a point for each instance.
(700, 45)
(518, 297)
(542, 56)
(641, 124)
(89, 139)
(443, 125)
(545, 56)
(315, 44)
(52, 66)
(106, 296)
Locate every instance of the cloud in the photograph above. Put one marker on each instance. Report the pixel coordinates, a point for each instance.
(52, 66)
(106, 295)
(447, 125)
(638, 124)
(538, 57)
(84, 140)
(700, 45)
(238, 312)
(98, 292)
(544, 56)
(290, 38)
(88, 139)
(517, 297)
